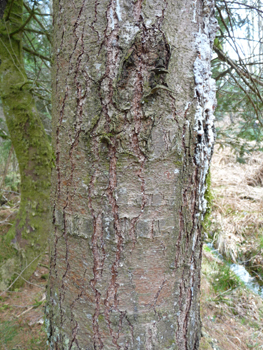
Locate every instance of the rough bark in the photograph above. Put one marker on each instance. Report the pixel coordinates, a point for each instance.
(133, 132)
(29, 233)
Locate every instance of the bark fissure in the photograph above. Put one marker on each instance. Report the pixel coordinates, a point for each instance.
(129, 176)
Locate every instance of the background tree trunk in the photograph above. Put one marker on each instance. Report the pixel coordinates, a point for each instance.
(30, 232)
(133, 133)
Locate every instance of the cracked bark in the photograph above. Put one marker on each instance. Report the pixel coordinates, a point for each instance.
(129, 79)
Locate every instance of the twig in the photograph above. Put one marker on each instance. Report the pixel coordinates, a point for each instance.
(32, 307)
(23, 25)
(4, 221)
(220, 294)
(24, 312)
(34, 57)
(11, 191)
(36, 54)
(35, 31)
(38, 21)
(43, 265)
(33, 284)
(9, 12)
(20, 275)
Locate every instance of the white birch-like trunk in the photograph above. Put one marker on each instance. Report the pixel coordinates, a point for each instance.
(133, 132)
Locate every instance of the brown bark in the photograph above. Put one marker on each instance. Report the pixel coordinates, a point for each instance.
(133, 114)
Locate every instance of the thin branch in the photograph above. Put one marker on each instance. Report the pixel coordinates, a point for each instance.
(20, 275)
(249, 98)
(38, 21)
(222, 74)
(35, 31)
(31, 44)
(33, 284)
(34, 53)
(32, 307)
(9, 12)
(23, 25)
(246, 5)
(223, 57)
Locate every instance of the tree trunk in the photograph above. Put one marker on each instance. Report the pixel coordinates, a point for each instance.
(133, 133)
(29, 233)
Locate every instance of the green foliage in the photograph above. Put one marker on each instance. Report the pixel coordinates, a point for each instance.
(237, 70)
(12, 181)
(45, 276)
(225, 279)
(28, 137)
(37, 56)
(37, 304)
(8, 331)
(5, 146)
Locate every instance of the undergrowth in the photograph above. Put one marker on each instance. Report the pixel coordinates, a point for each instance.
(225, 279)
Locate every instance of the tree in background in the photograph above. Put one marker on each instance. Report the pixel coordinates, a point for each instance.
(133, 133)
(29, 233)
(237, 69)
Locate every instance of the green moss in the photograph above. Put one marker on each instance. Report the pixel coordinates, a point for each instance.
(32, 149)
(44, 277)
(6, 250)
(94, 121)
(178, 163)
(101, 318)
(205, 345)
(225, 279)
(9, 331)
(169, 343)
(106, 137)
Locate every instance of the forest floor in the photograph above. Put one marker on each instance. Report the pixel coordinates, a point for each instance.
(232, 315)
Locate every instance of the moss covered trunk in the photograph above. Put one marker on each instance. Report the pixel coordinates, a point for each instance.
(133, 133)
(28, 235)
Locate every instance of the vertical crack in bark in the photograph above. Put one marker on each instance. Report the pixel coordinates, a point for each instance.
(113, 287)
(62, 290)
(160, 19)
(138, 10)
(141, 78)
(62, 287)
(98, 261)
(97, 272)
(107, 85)
(81, 97)
(186, 252)
(75, 329)
(66, 95)
(58, 150)
(179, 240)
(95, 20)
(132, 332)
(74, 340)
(71, 306)
(137, 113)
(157, 295)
